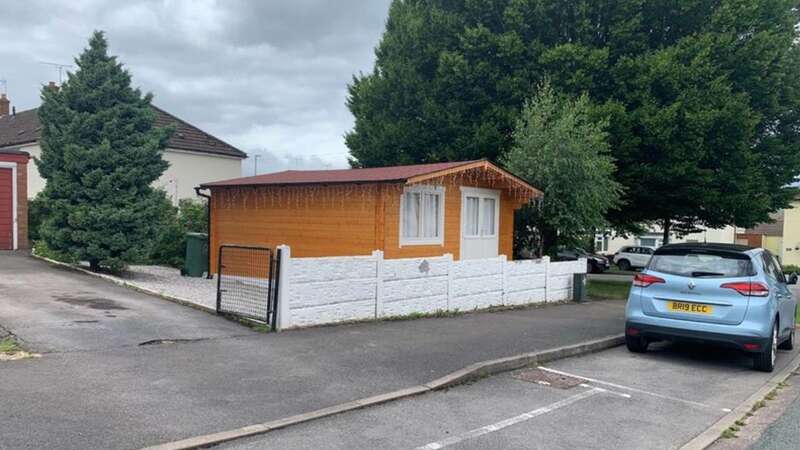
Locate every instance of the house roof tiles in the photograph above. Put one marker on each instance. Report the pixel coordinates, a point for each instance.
(24, 128)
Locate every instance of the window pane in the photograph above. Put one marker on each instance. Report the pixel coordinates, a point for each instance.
(431, 216)
(471, 216)
(647, 242)
(411, 215)
(701, 263)
(487, 218)
(600, 243)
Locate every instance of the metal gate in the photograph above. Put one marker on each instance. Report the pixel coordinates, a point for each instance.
(247, 284)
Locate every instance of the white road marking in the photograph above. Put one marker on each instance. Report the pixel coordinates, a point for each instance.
(632, 389)
(606, 390)
(510, 421)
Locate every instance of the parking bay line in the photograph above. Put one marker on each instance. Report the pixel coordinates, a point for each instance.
(632, 389)
(511, 421)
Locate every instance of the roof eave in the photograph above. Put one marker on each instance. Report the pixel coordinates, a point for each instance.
(239, 154)
(484, 164)
(18, 143)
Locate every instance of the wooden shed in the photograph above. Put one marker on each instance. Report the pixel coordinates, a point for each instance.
(462, 208)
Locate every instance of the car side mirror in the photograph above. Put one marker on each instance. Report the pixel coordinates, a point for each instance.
(792, 279)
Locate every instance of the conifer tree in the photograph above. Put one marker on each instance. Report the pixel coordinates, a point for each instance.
(100, 154)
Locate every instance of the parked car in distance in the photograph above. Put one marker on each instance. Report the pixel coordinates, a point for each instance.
(628, 258)
(594, 263)
(726, 294)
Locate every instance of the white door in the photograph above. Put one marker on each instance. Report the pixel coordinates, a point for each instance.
(480, 223)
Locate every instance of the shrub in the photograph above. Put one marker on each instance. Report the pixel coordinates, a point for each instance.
(791, 268)
(170, 248)
(37, 212)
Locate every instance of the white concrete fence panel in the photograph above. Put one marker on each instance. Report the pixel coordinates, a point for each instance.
(317, 291)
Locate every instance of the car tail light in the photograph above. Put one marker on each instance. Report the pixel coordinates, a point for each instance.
(748, 288)
(644, 280)
(752, 347)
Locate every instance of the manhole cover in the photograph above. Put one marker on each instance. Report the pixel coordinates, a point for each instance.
(545, 378)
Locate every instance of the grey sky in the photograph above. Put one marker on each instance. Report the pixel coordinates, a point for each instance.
(262, 75)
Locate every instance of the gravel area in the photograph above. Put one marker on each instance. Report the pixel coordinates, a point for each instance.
(168, 281)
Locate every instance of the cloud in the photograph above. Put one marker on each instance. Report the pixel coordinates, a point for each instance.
(265, 76)
(270, 162)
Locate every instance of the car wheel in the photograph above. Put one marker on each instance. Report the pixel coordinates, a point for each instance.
(636, 344)
(788, 344)
(624, 264)
(765, 361)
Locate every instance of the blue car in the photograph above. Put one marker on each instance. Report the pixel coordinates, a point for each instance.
(725, 294)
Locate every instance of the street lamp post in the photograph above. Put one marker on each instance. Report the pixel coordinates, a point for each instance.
(255, 164)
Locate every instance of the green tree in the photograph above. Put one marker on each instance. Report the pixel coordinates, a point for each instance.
(560, 148)
(100, 154)
(702, 96)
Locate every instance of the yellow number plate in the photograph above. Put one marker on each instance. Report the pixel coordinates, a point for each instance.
(692, 308)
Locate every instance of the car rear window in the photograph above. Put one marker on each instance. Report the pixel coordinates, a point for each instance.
(702, 263)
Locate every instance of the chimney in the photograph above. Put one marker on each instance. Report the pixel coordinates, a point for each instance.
(52, 86)
(4, 105)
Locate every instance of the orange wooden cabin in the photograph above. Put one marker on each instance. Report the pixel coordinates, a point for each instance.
(462, 208)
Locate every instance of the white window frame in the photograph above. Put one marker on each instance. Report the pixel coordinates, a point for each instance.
(603, 240)
(422, 189)
(14, 207)
(481, 194)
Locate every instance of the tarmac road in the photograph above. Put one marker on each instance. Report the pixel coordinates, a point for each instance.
(617, 400)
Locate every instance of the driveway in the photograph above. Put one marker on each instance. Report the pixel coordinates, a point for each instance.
(97, 388)
(52, 309)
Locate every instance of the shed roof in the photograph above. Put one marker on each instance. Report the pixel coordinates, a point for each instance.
(374, 174)
(408, 174)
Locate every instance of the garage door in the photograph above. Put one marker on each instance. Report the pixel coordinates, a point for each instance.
(6, 210)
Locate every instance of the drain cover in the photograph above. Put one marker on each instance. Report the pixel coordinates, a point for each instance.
(545, 378)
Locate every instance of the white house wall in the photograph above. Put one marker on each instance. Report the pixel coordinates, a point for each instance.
(186, 170)
(35, 181)
(725, 235)
(189, 169)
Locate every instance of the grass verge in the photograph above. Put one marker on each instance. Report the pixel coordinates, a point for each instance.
(10, 350)
(9, 345)
(730, 432)
(608, 289)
